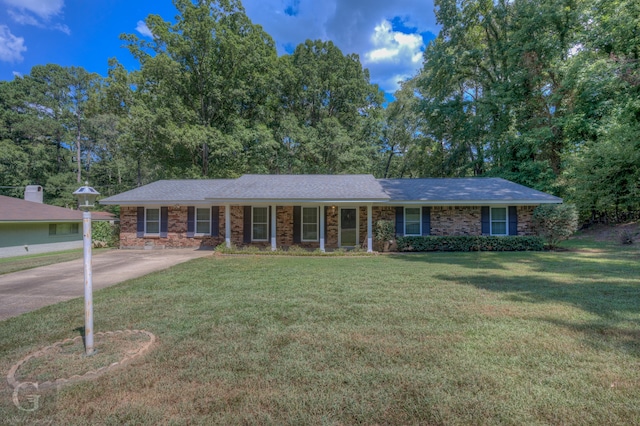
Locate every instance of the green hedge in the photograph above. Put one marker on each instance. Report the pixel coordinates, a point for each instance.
(469, 243)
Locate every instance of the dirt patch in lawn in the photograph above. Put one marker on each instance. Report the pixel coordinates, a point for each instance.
(66, 362)
(610, 233)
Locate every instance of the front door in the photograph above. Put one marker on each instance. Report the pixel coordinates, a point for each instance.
(348, 227)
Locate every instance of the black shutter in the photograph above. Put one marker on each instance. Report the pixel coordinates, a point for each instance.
(326, 229)
(246, 237)
(426, 220)
(191, 221)
(513, 220)
(269, 224)
(485, 219)
(399, 221)
(215, 221)
(297, 220)
(140, 223)
(164, 221)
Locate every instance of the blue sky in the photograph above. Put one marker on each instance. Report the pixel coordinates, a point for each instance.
(388, 35)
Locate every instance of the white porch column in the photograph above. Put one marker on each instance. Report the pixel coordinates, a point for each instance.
(274, 213)
(227, 225)
(369, 229)
(322, 227)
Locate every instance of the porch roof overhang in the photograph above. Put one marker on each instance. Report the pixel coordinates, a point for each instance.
(291, 202)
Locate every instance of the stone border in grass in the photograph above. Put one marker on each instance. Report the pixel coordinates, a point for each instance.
(89, 375)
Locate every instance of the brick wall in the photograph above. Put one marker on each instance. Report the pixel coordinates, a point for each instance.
(176, 231)
(445, 220)
(333, 214)
(525, 220)
(455, 220)
(382, 213)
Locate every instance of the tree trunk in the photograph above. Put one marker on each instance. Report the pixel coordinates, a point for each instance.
(205, 159)
(78, 159)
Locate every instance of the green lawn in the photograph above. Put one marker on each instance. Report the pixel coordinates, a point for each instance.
(439, 338)
(19, 263)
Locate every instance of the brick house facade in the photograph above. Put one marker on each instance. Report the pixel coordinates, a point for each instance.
(445, 220)
(319, 211)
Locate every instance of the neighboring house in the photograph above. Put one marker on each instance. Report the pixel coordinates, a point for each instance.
(319, 211)
(28, 227)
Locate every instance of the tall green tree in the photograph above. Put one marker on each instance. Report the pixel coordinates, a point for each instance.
(203, 80)
(328, 111)
(603, 168)
(491, 86)
(45, 116)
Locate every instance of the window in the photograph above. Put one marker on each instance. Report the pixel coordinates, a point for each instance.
(498, 221)
(152, 221)
(260, 224)
(63, 228)
(412, 220)
(309, 224)
(203, 221)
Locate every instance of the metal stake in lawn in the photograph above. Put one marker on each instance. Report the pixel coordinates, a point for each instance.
(86, 200)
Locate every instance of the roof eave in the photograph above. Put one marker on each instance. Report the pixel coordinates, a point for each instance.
(475, 202)
(291, 201)
(41, 221)
(154, 202)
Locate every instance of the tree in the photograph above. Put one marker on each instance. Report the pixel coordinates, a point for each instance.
(202, 79)
(491, 87)
(555, 222)
(45, 113)
(327, 111)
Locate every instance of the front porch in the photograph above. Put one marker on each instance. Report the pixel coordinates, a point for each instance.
(311, 226)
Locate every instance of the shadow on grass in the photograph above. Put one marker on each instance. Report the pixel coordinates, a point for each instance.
(601, 265)
(469, 260)
(616, 304)
(605, 283)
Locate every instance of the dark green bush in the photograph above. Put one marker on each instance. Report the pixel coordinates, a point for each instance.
(470, 243)
(555, 222)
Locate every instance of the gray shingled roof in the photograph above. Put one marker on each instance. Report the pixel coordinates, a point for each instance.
(463, 191)
(328, 188)
(169, 191)
(303, 187)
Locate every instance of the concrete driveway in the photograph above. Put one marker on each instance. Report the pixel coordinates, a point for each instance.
(26, 291)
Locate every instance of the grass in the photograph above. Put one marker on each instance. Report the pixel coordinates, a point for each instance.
(438, 338)
(19, 263)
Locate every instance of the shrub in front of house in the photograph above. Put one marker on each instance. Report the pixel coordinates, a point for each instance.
(555, 222)
(384, 232)
(470, 243)
(105, 234)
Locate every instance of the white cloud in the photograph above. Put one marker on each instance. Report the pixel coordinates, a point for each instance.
(37, 13)
(11, 47)
(395, 55)
(45, 9)
(62, 28)
(23, 18)
(351, 25)
(143, 29)
(392, 45)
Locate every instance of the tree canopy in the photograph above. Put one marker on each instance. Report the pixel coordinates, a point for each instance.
(545, 93)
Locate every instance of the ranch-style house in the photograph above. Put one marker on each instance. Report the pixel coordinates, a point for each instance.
(319, 211)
